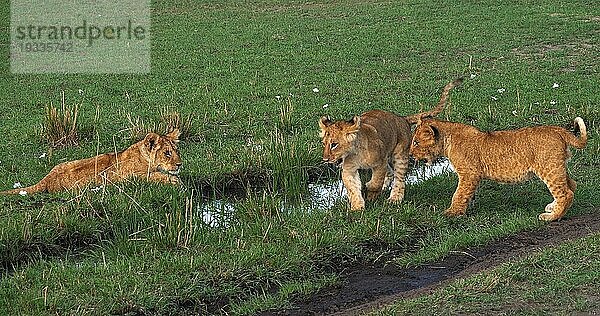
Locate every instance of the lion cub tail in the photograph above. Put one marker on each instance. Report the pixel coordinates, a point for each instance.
(413, 119)
(580, 142)
(39, 187)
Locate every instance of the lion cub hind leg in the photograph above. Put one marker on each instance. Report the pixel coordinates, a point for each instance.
(563, 198)
(400, 168)
(389, 177)
(351, 180)
(375, 185)
(572, 185)
(463, 195)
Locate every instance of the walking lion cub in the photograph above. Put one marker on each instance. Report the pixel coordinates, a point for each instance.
(155, 158)
(505, 156)
(376, 140)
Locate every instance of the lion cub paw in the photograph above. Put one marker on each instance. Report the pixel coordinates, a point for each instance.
(454, 212)
(550, 207)
(395, 200)
(548, 217)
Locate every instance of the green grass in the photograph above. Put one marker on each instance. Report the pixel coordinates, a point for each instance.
(247, 71)
(559, 280)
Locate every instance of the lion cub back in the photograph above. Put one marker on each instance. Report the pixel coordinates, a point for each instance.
(391, 128)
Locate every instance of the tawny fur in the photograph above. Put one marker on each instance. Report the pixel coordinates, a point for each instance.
(505, 156)
(376, 140)
(155, 158)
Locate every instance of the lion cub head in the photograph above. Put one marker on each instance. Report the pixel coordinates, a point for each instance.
(161, 152)
(338, 138)
(426, 144)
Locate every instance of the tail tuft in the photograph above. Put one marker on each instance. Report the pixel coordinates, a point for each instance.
(413, 119)
(580, 142)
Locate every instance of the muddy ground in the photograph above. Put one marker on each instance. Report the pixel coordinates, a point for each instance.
(368, 287)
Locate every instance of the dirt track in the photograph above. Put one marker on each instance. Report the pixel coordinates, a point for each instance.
(368, 287)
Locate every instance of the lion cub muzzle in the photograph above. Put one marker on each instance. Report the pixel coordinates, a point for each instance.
(174, 171)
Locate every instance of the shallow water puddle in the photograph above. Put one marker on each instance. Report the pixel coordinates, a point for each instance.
(420, 174)
(217, 213)
(321, 196)
(324, 196)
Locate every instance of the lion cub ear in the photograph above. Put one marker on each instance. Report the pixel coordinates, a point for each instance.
(355, 124)
(325, 122)
(151, 140)
(435, 132)
(174, 135)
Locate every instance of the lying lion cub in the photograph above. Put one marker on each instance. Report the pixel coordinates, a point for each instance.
(506, 156)
(374, 140)
(155, 158)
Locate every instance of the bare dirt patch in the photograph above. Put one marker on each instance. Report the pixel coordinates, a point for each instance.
(368, 287)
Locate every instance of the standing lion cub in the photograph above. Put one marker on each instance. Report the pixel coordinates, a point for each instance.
(155, 158)
(376, 140)
(505, 156)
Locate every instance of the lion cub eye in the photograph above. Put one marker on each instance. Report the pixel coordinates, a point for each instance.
(333, 145)
(415, 143)
(168, 154)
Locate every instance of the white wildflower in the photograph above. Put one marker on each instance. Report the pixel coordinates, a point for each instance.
(501, 90)
(23, 192)
(80, 91)
(326, 105)
(277, 97)
(473, 76)
(494, 98)
(17, 185)
(552, 102)
(555, 85)
(316, 90)
(96, 189)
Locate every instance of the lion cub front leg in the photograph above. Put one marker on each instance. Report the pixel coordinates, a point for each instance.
(375, 185)
(352, 183)
(463, 194)
(160, 177)
(400, 168)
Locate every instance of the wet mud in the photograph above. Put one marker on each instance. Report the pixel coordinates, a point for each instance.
(368, 287)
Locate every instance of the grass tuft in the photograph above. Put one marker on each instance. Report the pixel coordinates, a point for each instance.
(60, 127)
(288, 160)
(178, 228)
(174, 120)
(167, 122)
(139, 128)
(286, 110)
